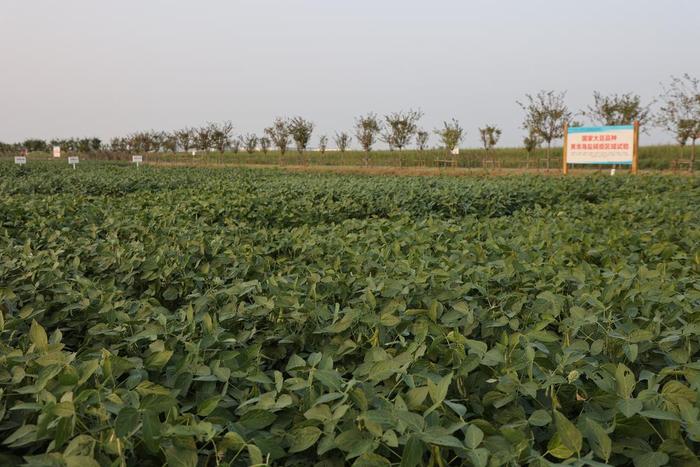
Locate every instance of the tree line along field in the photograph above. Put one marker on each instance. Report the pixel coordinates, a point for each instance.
(196, 316)
(661, 157)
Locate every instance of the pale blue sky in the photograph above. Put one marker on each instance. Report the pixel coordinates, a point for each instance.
(86, 67)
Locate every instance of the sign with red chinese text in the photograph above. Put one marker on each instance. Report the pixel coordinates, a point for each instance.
(57, 151)
(601, 145)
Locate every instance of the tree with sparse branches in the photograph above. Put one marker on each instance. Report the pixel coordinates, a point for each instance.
(342, 141)
(170, 142)
(158, 138)
(323, 144)
(531, 142)
(279, 134)
(235, 145)
(264, 144)
(422, 139)
(367, 127)
(450, 134)
(221, 135)
(249, 142)
(300, 131)
(203, 138)
(680, 111)
(618, 109)
(490, 134)
(115, 144)
(546, 113)
(185, 138)
(400, 128)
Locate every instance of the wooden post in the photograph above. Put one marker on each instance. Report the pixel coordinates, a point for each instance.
(635, 147)
(564, 165)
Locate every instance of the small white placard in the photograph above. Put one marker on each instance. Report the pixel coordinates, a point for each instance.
(72, 160)
(455, 150)
(21, 160)
(57, 151)
(137, 159)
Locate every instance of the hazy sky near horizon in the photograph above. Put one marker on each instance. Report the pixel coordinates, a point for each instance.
(92, 68)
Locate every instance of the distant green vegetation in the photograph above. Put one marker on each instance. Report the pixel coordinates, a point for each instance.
(650, 157)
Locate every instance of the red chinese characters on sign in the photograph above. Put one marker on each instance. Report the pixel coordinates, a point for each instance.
(599, 137)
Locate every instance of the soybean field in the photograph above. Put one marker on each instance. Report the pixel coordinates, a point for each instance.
(234, 317)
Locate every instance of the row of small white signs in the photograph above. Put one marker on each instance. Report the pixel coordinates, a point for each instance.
(73, 160)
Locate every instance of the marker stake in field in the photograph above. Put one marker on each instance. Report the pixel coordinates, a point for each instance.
(20, 160)
(137, 160)
(601, 145)
(73, 160)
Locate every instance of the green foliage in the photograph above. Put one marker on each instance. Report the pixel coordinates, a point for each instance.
(622, 109)
(451, 134)
(300, 130)
(546, 114)
(279, 134)
(400, 128)
(490, 134)
(241, 317)
(342, 141)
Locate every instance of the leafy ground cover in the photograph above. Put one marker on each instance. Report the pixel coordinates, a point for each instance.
(237, 317)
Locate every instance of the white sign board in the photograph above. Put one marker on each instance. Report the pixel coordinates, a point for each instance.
(455, 150)
(600, 145)
(137, 159)
(57, 151)
(73, 160)
(21, 160)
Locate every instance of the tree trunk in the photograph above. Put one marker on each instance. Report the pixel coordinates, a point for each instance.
(549, 150)
(692, 156)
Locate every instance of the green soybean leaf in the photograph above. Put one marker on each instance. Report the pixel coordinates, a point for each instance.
(569, 435)
(304, 438)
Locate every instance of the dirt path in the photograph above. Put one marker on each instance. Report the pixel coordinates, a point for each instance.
(402, 171)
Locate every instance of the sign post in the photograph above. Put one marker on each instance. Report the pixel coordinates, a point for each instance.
(137, 160)
(601, 145)
(635, 154)
(57, 151)
(73, 160)
(20, 160)
(565, 163)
